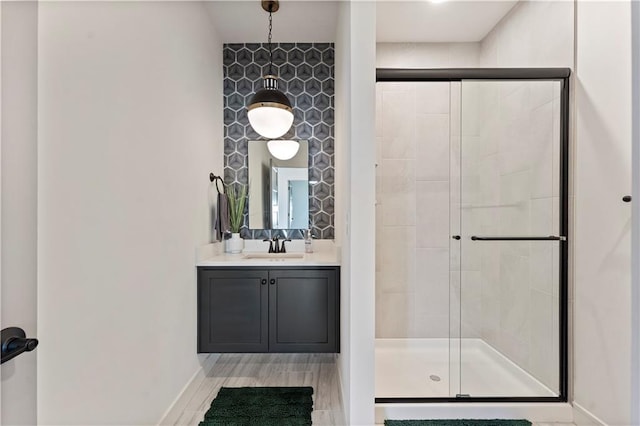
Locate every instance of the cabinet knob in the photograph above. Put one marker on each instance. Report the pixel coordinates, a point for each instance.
(273, 281)
(456, 237)
(626, 198)
(264, 281)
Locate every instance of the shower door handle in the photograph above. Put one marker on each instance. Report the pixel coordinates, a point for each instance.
(549, 238)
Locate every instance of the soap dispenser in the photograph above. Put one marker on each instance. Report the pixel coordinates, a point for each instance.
(308, 247)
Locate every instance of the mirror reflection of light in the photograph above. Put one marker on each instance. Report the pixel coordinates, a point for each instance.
(283, 149)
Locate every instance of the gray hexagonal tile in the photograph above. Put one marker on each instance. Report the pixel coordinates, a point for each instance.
(321, 72)
(236, 71)
(327, 116)
(315, 176)
(228, 87)
(235, 131)
(321, 101)
(287, 71)
(244, 57)
(328, 87)
(327, 233)
(312, 57)
(328, 146)
(261, 57)
(321, 131)
(295, 87)
(321, 191)
(303, 131)
(312, 116)
(228, 57)
(279, 56)
(304, 72)
(312, 87)
(321, 161)
(295, 57)
(304, 46)
(327, 176)
(253, 72)
(244, 86)
(321, 220)
(236, 161)
(236, 101)
(304, 101)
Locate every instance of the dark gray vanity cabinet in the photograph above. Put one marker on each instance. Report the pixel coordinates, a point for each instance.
(279, 309)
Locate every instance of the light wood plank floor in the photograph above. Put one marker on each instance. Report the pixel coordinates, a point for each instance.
(236, 370)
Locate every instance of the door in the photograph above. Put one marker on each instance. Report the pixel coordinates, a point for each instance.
(303, 310)
(232, 310)
(512, 226)
(18, 194)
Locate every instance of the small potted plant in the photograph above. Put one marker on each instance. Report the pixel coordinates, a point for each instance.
(237, 200)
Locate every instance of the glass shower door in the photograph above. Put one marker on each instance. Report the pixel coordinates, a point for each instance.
(505, 276)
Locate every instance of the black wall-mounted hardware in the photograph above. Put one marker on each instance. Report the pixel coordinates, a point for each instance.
(15, 342)
(626, 198)
(549, 238)
(456, 237)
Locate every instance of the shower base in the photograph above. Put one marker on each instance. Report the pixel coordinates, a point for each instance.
(420, 368)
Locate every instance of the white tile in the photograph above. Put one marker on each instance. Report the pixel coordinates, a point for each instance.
(543, 359)
(397, 255)
(432, 147)
(542, 151)
(432, 98)
(398, 196)
(398, 124)
(542, 217)
(431, 287)
(394, 314)
(432, 221)
(541, 266)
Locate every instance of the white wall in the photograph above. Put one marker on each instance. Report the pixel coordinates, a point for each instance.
(19, 175)
(355, 174)
(602, 329)
(130, 111)
(342, 192)
(427, 55)
(535, 33)
(635, 236)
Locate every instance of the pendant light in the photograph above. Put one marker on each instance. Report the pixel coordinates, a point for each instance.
(283, 149)
(269, 112)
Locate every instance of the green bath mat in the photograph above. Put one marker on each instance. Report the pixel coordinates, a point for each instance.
(459, 422)
(269, 406)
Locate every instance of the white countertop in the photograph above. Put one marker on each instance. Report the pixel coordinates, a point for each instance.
(326, 253)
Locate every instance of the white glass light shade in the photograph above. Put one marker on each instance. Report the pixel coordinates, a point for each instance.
(283, 149)
(270, 122)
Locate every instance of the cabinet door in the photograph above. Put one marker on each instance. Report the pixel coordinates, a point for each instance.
(303, 310)
(232, 311)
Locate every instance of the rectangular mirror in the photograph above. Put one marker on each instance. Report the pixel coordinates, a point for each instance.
(278, 189)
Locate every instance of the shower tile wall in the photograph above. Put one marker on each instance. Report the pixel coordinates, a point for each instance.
(412, 210)
(510, 187)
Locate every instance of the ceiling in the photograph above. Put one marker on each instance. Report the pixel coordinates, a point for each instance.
(426, 21)
(243, 21)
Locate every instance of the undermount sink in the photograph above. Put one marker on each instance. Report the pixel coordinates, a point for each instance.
(273, 256)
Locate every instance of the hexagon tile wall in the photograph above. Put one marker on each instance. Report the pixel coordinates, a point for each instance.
(305, 73)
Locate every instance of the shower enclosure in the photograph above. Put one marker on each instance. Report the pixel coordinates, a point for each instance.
(472, 227)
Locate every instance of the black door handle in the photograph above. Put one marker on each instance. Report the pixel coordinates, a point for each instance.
(14, 342)
(456, 237)
(273, 281)
(264, 281)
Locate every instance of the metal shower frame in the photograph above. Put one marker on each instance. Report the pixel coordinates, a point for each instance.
(513, 74)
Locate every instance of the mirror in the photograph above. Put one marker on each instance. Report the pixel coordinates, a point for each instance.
(278, 189)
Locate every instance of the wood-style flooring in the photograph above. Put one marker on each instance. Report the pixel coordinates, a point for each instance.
(236, 370)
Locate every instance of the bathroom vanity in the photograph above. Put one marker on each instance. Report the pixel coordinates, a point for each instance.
(269, 303)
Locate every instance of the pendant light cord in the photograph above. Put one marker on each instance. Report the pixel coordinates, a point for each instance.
(270, 49)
